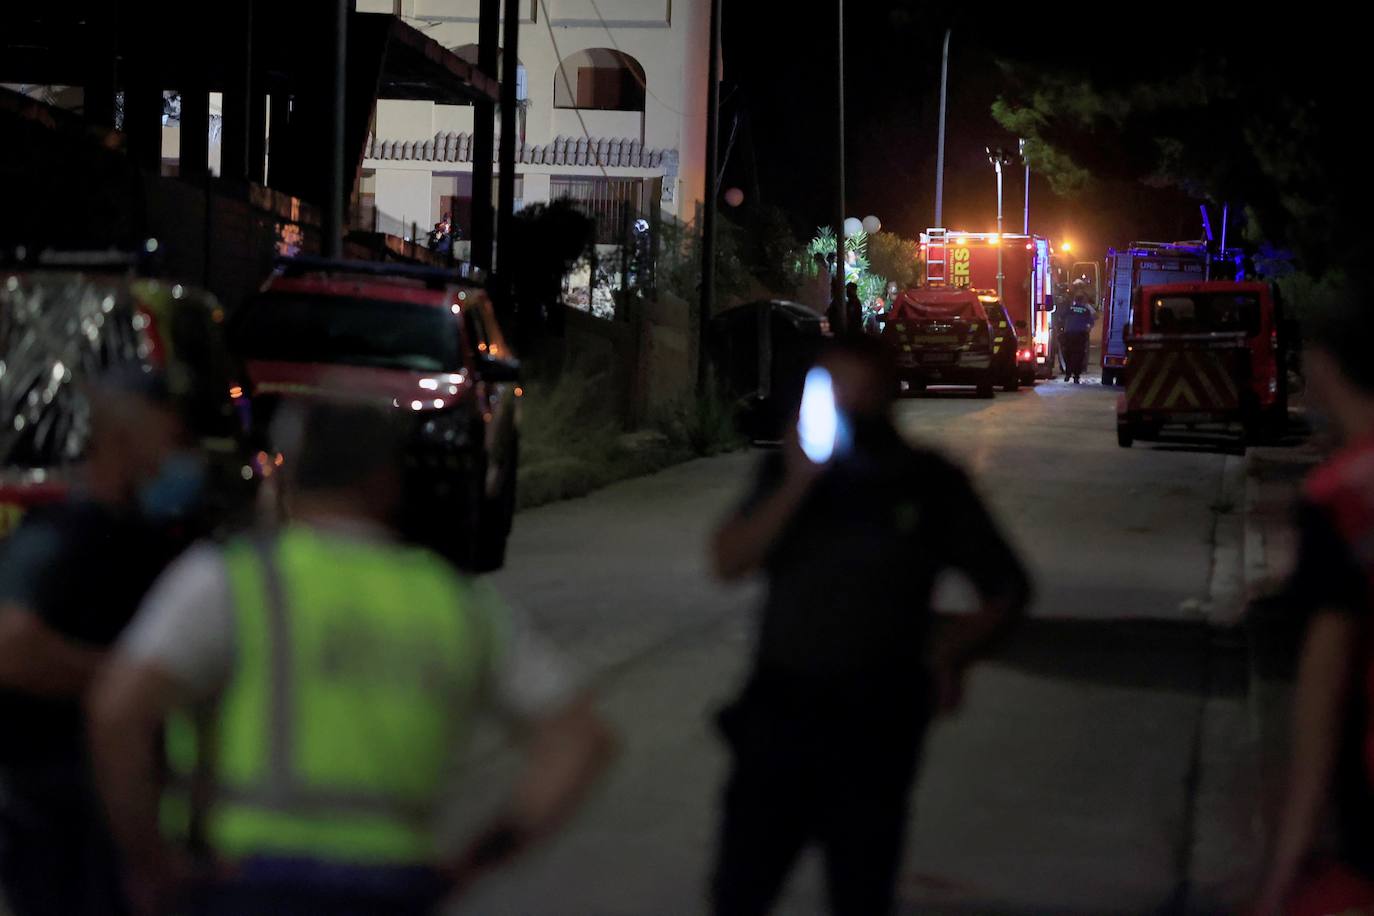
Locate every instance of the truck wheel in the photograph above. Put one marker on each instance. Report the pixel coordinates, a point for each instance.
(985, 390)
(1125, 436)
(1108, 377)
(1013, 383)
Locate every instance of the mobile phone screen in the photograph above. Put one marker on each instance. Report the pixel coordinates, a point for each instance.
(819, 425)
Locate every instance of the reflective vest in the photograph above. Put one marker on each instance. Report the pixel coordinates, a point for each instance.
(357, 669)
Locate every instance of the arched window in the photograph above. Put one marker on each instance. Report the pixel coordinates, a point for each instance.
(599, 78)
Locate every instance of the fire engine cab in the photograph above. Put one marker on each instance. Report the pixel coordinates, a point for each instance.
(970, 260)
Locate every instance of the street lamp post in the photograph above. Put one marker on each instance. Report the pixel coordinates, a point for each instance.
(940, 148)
(999, 159)
(707, 296)
(837, 283)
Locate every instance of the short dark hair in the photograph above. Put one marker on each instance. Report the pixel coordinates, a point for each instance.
(1336, 319)
(869, 350)
(340, 445)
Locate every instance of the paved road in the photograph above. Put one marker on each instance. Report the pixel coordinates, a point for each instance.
(1100, 765)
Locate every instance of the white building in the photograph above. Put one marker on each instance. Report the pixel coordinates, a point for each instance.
(612, 113)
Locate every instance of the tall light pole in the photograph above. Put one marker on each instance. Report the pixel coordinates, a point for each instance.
(707, 296)
(999, 159)
(837, 283)
(940, 149)
(1025, 219)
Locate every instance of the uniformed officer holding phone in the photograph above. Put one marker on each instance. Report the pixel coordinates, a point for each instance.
(851, 526)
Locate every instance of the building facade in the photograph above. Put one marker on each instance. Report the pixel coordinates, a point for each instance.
(612, 113)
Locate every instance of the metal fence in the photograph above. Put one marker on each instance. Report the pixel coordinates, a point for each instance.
(613, 203)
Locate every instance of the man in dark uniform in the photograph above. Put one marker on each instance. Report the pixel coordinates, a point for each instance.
(827, 733)
(71, 577)
(1076, 325)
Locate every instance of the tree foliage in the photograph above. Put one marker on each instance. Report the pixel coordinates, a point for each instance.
(1229, 123)
(546, 241)
(895, 258)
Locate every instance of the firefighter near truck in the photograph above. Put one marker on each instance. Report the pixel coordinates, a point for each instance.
(970, 260)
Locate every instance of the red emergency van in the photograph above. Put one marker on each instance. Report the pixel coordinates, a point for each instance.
(1205, 353)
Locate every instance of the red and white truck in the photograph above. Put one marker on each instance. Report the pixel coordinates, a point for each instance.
(970, 260)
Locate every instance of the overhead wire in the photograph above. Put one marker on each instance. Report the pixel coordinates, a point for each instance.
(567, 84)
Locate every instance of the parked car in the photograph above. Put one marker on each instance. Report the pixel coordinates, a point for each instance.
(761, 352)
(422, 340)
(62, 328)
(941, 336)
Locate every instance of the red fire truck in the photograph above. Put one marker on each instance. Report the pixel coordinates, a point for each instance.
(969, 259)
(1144, 264)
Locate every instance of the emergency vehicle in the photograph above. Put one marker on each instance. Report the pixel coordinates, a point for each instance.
(1205, 353)
(124, 320)
(969, 260)
(1143, 264)
(943, 336)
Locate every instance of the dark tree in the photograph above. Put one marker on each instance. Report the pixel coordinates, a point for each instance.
(1234, 116)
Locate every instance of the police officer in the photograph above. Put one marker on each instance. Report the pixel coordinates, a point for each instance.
(331, 674)
(1075, 327)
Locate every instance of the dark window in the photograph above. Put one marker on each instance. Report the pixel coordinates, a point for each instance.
(600, 79)
(356, 332)
(1205, 313)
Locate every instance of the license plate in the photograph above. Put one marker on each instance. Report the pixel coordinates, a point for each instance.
(937, 358)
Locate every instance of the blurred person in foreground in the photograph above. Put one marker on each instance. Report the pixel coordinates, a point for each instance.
(71, 578)
(1332, 740)
(317, 683)
(848, 670)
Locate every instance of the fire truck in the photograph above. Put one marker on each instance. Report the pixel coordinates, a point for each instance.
(969, 259)
(1146, 264)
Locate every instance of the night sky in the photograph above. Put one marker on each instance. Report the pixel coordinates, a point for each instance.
(781, 88)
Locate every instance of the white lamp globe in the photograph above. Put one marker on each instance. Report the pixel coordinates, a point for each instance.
(872, 224)
(852, 227)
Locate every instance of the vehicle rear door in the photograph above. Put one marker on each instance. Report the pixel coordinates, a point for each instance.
(1118, 315)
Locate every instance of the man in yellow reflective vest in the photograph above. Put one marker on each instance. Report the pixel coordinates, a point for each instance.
(316, 684)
